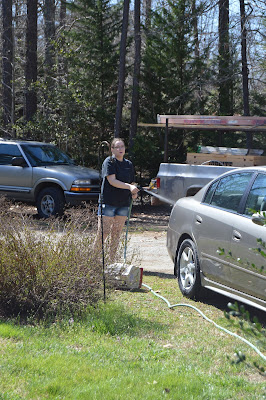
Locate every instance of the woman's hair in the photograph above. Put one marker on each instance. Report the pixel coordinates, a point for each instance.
(115, 140)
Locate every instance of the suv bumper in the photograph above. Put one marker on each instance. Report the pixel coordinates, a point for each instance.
(75, 199)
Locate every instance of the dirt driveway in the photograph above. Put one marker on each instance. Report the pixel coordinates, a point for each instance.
(147, 238)
(150, 251)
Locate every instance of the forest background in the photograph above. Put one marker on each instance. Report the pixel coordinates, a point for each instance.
(80, 72)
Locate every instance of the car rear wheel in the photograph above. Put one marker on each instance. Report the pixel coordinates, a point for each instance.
(188, 269)
(50, 201)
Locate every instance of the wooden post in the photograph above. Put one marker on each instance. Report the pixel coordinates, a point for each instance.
(165, 158)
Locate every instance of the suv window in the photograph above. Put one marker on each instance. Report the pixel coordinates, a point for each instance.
(230, 190)
(7, 152)
(256, 200)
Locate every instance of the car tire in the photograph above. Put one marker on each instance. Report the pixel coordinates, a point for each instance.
(188, 269)
(50, 201)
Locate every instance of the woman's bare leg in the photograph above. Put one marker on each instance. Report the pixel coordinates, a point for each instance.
(107, 226)
(117, 227)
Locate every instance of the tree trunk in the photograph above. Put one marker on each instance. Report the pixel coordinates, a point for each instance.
(195, 29)
(7, 62)
(148, 14)
(122, 69)
(245, 68)
(225, 107)
(135, 91)
(49, 33)
(62, 13)
(31, 60)
(200, 107)
(62, 62)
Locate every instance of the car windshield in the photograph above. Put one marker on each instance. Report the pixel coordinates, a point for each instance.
(42, 155)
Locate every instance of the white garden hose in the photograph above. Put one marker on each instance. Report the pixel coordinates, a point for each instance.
(190, 306)
(207, 319)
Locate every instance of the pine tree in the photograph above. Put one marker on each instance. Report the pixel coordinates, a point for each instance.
(169, 72)
(93, 62)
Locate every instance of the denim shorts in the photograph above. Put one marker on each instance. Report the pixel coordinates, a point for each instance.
(112, 211)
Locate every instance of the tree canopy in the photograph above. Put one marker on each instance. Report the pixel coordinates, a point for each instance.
(63, 65)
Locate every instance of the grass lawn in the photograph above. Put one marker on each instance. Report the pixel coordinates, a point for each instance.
(133, 347)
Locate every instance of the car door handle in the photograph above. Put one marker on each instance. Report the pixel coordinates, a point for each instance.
(198, 219)
(236, 236)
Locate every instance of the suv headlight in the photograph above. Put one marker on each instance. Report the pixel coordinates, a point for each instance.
(82, 182)
(81, 185)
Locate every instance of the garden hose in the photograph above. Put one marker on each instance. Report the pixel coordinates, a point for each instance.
(188, 305)
(207, 319)
(128, 216)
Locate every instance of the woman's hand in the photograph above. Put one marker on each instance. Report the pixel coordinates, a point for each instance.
(134, 196)
(134, 190)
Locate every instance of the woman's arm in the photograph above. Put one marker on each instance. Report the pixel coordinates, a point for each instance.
(121, 185)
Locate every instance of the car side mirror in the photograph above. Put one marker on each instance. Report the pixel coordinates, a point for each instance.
(19, 162)
(259, 218)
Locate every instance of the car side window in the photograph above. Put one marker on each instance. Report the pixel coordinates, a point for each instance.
(7, 152)
(256, 200)
(210, 192)
(230, 190)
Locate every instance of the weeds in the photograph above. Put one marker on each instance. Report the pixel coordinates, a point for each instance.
(250, 326)
(47, 268)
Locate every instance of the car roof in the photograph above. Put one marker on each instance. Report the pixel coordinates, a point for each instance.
(20, 141)
(253, 168)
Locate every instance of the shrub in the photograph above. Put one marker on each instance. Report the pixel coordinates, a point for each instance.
(47, 268)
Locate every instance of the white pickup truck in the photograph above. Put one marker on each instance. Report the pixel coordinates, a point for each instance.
(174, 181)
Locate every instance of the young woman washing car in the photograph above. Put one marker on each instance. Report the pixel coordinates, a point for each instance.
(116, 194)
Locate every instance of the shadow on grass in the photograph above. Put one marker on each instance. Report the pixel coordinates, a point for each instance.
(221, 302)
(104, 319)
(159, 274)
(115, 320)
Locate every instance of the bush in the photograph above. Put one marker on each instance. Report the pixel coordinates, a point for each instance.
(47, 268)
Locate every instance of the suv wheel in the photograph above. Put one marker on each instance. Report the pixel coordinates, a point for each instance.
(50, 201)
(188, 269)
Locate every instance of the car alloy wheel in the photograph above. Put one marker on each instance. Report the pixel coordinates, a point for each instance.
(188, 271)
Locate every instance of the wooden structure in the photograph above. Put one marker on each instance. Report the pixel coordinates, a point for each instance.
(225, 159)
(207, 122)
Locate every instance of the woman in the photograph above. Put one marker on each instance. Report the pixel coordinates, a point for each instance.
(116, 194)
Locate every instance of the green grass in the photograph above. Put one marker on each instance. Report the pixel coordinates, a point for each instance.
(132, 347)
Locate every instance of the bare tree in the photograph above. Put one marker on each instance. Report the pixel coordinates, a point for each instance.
(245, 67)
(31, 60)
(7, 62)
(225, 107)
(135, 90)
(122, 70)
(49, 33)
(62, 63)
(148, 4)
(197, 57)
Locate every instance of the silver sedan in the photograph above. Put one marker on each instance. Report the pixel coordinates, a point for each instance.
(216, 238)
